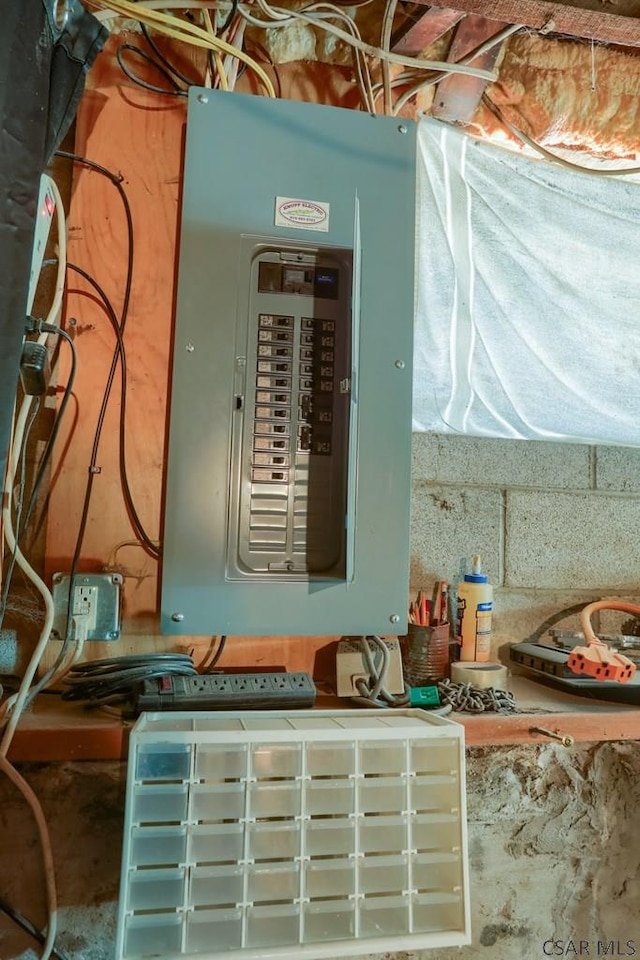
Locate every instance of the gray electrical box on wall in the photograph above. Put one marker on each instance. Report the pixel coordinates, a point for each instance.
(288, 477)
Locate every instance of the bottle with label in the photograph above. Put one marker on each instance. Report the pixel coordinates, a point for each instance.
(475, 608)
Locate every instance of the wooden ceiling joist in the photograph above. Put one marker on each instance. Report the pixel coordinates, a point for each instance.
(414, 37)
(457, 96)
(607, 21)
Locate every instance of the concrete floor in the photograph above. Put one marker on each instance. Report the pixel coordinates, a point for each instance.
(83, 804)
(554, 853)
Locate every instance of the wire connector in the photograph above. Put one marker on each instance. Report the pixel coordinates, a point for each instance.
(35, 368)
(38, 325)
(424, 696)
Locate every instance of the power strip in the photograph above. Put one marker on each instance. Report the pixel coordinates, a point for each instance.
(233, 691)
(549, 665)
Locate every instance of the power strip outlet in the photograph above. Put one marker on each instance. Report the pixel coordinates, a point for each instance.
(232, 691)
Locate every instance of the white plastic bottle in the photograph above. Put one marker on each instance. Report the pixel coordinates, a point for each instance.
(475, 609)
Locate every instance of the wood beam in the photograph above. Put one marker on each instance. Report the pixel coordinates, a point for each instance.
(414, 37)
(457, 96)
(574, 18)
(53, 730)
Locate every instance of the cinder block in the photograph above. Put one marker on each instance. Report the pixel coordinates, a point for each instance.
(520, 614)
(530, 615)
(8, 652)
(450, 524)
(500, 463)
(618, 468)
(572, 541)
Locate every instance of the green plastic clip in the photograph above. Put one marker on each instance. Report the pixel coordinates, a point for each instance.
(424, 697)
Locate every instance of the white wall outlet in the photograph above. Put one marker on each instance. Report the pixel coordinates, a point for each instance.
(351, 666)
(85, 604)
(95, 596)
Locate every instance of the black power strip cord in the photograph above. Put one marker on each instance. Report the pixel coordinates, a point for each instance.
(102, 682)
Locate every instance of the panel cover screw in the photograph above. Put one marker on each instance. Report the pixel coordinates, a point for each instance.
(203, 98)
(190, 348)
(394, 618)
(177, 617)
(400, 364)
(402, 128)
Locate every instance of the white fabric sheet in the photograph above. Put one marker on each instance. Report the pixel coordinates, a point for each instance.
(528, 296)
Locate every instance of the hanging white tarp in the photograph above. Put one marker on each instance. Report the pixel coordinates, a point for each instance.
(528, 296)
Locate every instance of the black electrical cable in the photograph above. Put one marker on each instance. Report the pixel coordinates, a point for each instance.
(216, 657)
(151, 547)
(116, 180)
(51, 328)
(108, 664)
(163, 59)
(93, 469)
(212, 64)
(551, 621)
(35, 410)
(103, 681)
(29, 928)
(230, 16)
(24, 520)
(174, 89)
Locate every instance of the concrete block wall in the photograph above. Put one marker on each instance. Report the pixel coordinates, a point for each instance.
(556, 524)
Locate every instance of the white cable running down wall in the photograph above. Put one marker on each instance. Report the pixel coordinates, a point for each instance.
(528, 296)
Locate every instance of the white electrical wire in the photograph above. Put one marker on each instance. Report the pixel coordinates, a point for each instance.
(80, 625)
(279, 17)
(385, 43)
(15, 704)
(323, 11)
(47, 853)
(363, 74)
(431, 81)
(16, 441)
(231, 63)
(220, 67)
(187, 32)
(277, 13)
(553, 157)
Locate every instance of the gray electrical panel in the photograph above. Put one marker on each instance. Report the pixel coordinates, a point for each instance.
(288, 477)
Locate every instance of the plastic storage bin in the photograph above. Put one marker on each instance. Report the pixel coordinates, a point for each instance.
(302, 834)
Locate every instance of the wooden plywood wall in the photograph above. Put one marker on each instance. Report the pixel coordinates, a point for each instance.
(139, 135)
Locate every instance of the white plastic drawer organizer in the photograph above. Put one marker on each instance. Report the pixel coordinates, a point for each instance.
(302, 834)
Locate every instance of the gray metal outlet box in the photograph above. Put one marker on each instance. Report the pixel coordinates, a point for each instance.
(288, 477)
